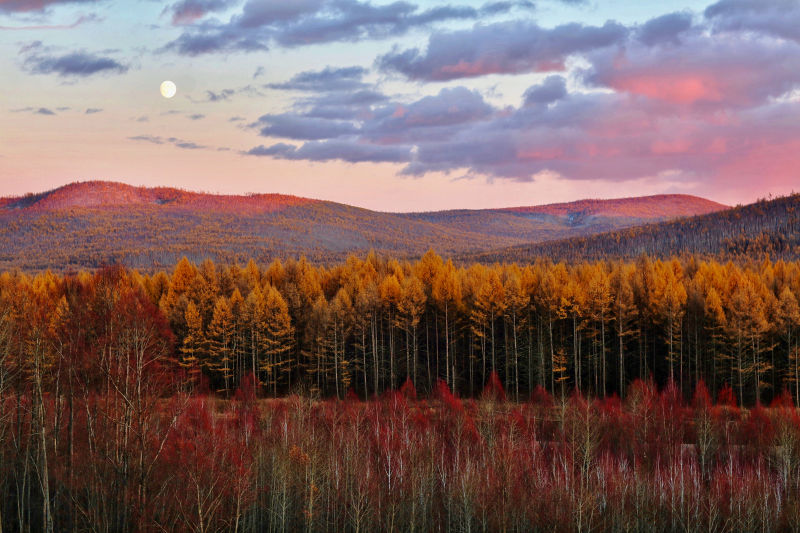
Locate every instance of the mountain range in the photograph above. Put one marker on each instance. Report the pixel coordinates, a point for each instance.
(88, 224)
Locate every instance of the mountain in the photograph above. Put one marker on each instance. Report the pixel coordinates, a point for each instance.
(766, 227)
(557, 221)
(88, 224)
(100, 194)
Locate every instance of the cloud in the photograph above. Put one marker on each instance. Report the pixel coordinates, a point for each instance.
(779, 18)
(178, 143)
(211, 39)
(292, 126)
(611, 136)
(349, 151)
(219, 96)
(188, 11)
(257, 13)
(74, 64)
(665, 29)
(450, 107)
(81, 20)
(262, 24)
(35, 110)
(495, 8)
(92, 110)
(500, 48)
(552, 89)
(147, 138)
(328, 79)
(720, 71)
(342, 105)
(197, 116)
(224, 95)
(18, 6)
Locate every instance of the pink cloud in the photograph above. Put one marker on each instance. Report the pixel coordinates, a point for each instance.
(718, 72)
(671, 87)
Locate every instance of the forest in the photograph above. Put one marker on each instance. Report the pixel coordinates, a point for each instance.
(401, 395)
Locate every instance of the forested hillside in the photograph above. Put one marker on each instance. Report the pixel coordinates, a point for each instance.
(87, 225)
(767, 227)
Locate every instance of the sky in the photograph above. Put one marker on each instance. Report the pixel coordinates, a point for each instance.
(405, 105)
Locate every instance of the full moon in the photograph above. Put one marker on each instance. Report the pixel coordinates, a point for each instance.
(168, 89)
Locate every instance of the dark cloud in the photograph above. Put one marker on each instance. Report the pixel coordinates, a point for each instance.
(92, 110)
(329, 79)
(16, 6)
(665, 29)
(261, 23)
(188, 11)
(197, 116)
(552, 89)
(500, 48)
(44, 111)
(74, 64)
(780, 18)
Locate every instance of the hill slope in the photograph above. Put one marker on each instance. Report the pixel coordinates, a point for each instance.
(85, 225)
(770, 227)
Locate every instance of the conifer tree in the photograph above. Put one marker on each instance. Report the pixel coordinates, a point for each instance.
(221, 343)
(194, 346)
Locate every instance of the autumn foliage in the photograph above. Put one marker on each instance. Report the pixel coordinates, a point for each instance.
(380, 394)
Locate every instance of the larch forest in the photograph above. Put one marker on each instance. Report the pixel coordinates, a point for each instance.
(402, 395)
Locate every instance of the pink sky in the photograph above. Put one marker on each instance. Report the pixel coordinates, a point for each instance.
(405, 108)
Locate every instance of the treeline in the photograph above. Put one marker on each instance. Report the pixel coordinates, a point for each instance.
(765, 228)
(372, 323)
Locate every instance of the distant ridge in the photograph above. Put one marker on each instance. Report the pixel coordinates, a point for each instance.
(89, 224)
(94, 194)
(750, 232)
(113, 194)
(656, 206)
